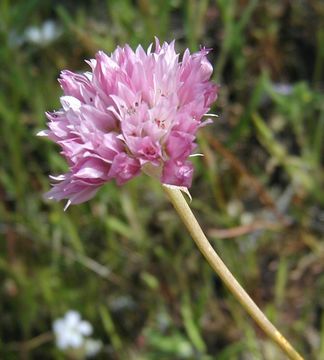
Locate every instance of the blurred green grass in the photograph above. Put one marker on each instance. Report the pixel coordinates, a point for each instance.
(123, 259)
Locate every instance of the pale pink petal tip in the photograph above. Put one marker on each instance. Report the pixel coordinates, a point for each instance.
(134, 111)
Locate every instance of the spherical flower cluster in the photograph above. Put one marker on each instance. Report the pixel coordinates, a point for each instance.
(135, 111)
(73, 333)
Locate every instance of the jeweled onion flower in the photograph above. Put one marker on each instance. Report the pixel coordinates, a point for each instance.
(140, 111)
(134, 111)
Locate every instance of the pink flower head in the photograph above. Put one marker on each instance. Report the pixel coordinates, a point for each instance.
(134, 111)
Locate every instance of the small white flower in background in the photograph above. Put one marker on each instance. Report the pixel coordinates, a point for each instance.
(41, 35)
(71, 332)
(44, 34)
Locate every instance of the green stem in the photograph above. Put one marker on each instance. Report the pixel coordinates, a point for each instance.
(223, 272)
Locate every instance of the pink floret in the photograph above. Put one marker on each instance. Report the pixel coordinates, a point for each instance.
(133, 109)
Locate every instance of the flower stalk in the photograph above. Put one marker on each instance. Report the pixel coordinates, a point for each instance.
(191, 223)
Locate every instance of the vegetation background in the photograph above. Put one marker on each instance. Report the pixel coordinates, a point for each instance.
(124, 260)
